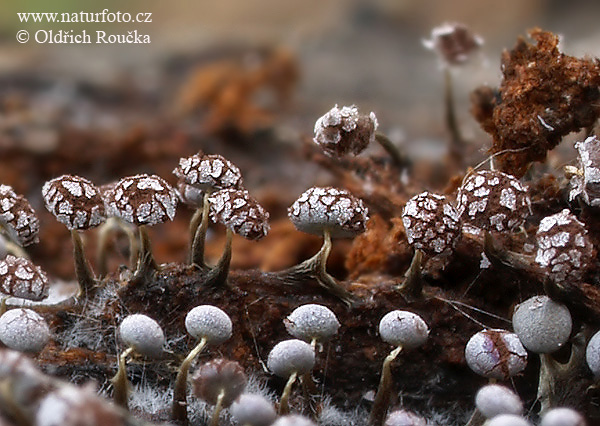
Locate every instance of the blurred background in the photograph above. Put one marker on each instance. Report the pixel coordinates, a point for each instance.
(349, 51)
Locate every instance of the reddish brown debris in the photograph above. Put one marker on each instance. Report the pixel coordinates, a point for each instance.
(18, 217)
(19, 277)
(544, 96)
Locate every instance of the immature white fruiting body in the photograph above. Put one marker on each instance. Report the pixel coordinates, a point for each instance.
(335, 210)
(293, 420)
(494, 201)
(74, 201)
(216, 377)
(496, 354)
(17, 217)
(241, 213)
(431, 223)
(19, 277)
(493, 400)
(562, 417)
(76, 406)
(542, 324)
(344, 130)
(404, 329)
(253, 410)
(565, 251)
(208, 172)
(453, 42)
(210, 323)
(143, 334)
(24, 330)
(311, 321)
(508, 420)
(291, 356)
(143, 200)
(592, 354)
(404, 418)
(586, 183)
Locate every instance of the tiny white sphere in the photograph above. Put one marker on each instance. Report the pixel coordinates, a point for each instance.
(210, 322)
(404, 418)
(312, 321)
(507, 420)
(291, 356)
(562, 417)
(293, 420)
(253, 410)
(493, 400)
(143, 334)
(592, 354)
(542, 324)
(403, 328)
(24, 330)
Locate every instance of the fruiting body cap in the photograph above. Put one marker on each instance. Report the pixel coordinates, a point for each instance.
(210, 322)
(24, 330)
(143, 334)
(216, 376)
(208, 172)
(403, 328)
(493, 400)
(241, 213)
(74, 201)
(542, 324)
(143, 200)
(19, 277)
(496, 354)
(312, 321)
(18, 217)
(253, 410)
(336, 210)
(291, 356)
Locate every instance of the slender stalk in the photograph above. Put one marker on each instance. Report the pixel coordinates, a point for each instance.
(382, 398)
(393, 151)
(146, 264)
(119, 381)
(15, 249)
(112, 225)
(412, 287)
(214, 421)
(284, 407)
(476, 419)
(179, 408)
(3, 305)
(199, 233)
(83, 271)
(10, 406)
(315, 267)
(311, 393)
(456, 149)
(217, 277)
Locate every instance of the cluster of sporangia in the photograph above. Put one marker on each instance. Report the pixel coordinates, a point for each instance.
(488, 202)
